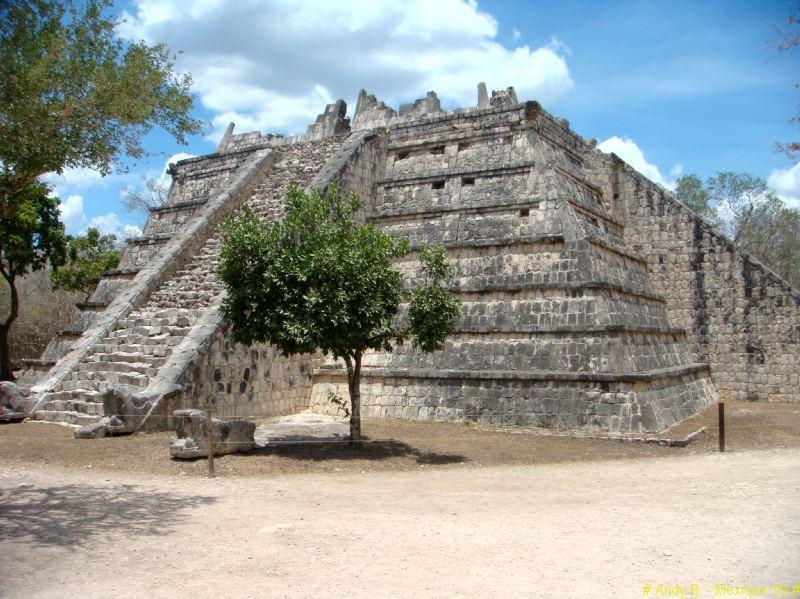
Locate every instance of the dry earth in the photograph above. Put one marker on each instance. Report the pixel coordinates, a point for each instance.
(404, 524)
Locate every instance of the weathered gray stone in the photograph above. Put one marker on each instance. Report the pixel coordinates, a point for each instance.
(229, 436)
(125, 413)
(427, 105)
(97, 430)
(506, 98)
(579, 281)
(332, 122)
(483, 96)
(15, 402)
(371, 113)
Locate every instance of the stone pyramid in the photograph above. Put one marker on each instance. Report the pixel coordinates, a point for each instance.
(591, 298)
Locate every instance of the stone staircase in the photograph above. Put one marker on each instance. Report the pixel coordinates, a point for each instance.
(130, 355)
(127, 357)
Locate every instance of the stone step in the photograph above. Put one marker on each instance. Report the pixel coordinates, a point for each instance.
(150, 331)
(91, 408)
(91, 383)
(116, 372)
(74, 418)
(148, 349)
(172, 321)
(130, 356)
(164, 313)
(70, 391)
(161, 341)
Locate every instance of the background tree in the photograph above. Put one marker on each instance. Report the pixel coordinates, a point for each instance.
(788, 40)
(72, 94)
(750, 213)
(88, 257)
(691, 191)
(737, 197)
(43, 313)
(30, 237)
(152, 193)
(318, 281)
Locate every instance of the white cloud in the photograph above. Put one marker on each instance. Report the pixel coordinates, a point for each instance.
(74, 218)
(273, 65)
(627, 149)
(74, 178)
(109, 223)
(676, 171)
(786, 183)
(72, 214)
(129, 231)
(515, 34)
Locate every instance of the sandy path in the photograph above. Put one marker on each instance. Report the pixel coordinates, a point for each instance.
(601, 529)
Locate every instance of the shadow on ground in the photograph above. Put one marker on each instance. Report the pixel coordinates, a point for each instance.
(300, 448)
(71, 515)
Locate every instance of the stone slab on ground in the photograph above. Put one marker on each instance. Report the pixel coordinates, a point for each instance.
(229, 436)
(304, 427)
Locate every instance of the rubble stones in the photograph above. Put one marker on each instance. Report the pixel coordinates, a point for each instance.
(506, 98)
(15, 402)
(228, 436)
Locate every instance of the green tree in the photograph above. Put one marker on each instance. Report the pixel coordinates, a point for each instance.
(690, 191)
(73, 94)
(752, 215)
(737, 197)
(772, 234)
(88, 257)
(30, 237)
(318, 281)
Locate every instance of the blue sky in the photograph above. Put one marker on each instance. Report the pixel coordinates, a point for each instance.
(673, 87)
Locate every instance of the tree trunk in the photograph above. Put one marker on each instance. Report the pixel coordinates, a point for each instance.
(6, 373)
(354, 386)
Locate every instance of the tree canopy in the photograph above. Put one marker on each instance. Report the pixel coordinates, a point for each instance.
(751, 214)
(73, 94)
(88, 257)
(690, 190)
(31, 236)
(318, 281)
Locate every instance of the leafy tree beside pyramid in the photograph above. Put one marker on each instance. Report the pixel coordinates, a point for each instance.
(72, 95)
(316, 280)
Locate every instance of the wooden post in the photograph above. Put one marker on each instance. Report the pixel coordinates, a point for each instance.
(210, 442)
(721, 406)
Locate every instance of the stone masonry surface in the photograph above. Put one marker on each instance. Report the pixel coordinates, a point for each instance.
(591, 299)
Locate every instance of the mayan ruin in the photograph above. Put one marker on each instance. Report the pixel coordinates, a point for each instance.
(592, 299)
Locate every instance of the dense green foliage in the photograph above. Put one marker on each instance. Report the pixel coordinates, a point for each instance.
(318, 281)
(31, 236)
(690, 190)
(73, 94)
(88, 257)
(433, 311)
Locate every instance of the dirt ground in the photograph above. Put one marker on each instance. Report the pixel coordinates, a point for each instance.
(395, 445)
(571, 529)
(425, 510)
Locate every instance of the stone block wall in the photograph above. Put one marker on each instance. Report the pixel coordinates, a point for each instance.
(559, 325)
(248, 382)
(258, 381)
(572, 403)
(741, 318)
